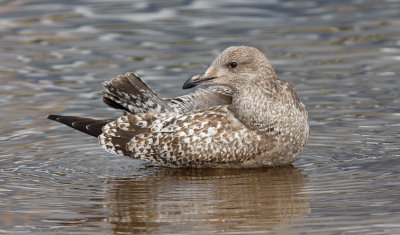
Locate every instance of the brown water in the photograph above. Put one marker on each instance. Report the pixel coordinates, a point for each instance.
(343, 58)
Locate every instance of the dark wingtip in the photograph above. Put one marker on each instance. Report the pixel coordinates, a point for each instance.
(89, 126)
(52, 117)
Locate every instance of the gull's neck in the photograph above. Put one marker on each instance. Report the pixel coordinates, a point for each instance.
(255, 105)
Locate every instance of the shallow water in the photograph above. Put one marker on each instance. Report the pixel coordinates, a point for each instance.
(341, 56)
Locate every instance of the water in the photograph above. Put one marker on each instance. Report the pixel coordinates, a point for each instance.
(341, 56)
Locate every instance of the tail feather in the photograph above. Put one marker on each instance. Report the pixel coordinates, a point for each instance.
(129, 93)
(89, 126)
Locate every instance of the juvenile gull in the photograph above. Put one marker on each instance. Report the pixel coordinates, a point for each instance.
(249, 118)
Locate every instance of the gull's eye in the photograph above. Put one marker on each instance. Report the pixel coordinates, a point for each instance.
(232, 64)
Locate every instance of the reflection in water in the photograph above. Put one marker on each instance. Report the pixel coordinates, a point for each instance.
(208, 200)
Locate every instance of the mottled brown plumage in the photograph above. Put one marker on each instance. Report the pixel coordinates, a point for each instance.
(249, 118)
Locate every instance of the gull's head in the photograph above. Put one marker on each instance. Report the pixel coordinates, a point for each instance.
(234, 67)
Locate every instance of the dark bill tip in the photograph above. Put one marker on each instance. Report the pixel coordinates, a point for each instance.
(189, 84)
(196, 80)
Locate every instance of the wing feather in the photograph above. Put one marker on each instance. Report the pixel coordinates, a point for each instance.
(130, 94)
(201, 99)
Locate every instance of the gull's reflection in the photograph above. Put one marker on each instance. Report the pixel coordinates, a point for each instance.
(208, 200)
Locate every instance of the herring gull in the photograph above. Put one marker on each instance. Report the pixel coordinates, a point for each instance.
(247, 117)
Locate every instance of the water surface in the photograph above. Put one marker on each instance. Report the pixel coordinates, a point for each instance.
(341, 56)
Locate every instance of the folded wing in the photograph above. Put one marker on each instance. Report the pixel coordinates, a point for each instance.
(201, 137)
